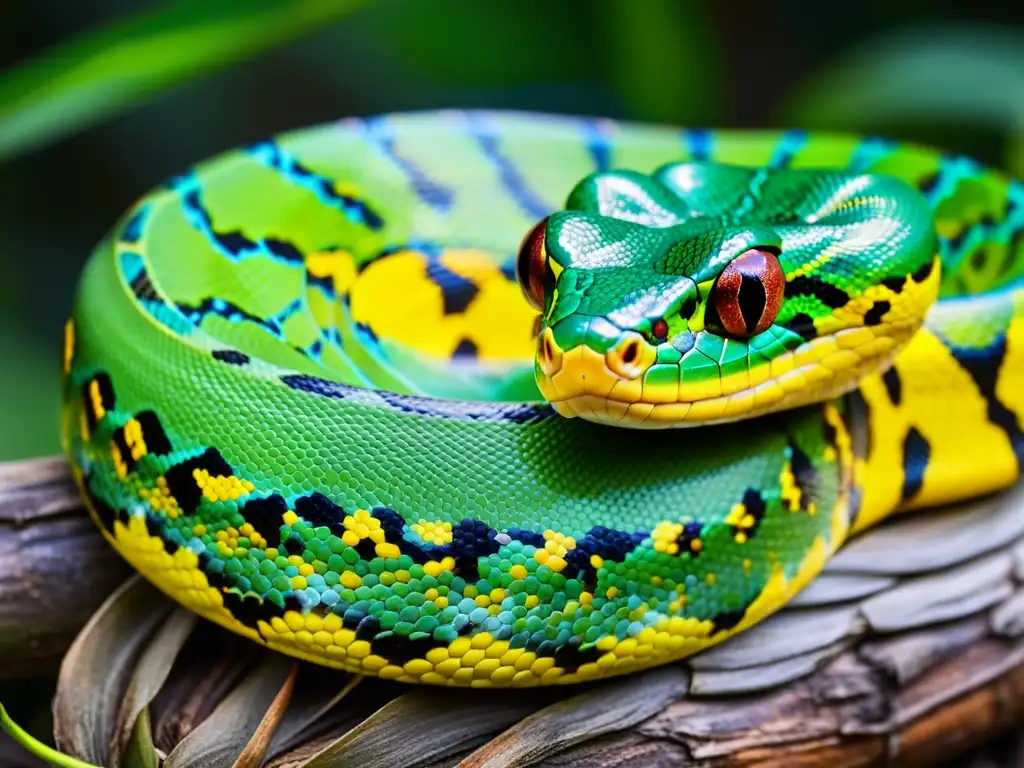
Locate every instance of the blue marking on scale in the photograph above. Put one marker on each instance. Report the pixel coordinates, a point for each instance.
(511, 179)
(791, 142)
(131, 230)
(598, 144)
(377, 131)
(869, 151)
(698, 143)
(234, 245)
(269, 153)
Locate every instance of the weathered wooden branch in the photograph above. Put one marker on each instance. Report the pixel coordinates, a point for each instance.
(55, 568)
(851, 712)
(909, 649)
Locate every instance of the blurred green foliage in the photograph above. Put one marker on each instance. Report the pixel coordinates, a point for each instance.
(102, 99)
(968, 75)
(115, 66)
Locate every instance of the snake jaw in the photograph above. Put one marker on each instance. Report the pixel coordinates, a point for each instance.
(626, 381)
(626, 386)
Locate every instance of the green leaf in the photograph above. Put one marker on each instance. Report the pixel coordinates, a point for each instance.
(140, 752)
(88, 79)
(37, 748)
(663, 60)
(967, 74)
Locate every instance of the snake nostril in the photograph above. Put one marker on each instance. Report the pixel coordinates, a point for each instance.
(630, 357)
(549, 356)
(629, 353)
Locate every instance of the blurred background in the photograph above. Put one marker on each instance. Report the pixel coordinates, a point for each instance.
(102, 99)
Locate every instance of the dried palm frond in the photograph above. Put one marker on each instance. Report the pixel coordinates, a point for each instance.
(910, 645)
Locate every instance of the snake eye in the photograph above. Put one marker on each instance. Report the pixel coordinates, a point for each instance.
(746, 297)
(532, 266)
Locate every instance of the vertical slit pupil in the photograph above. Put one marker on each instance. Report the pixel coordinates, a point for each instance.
(752, 300)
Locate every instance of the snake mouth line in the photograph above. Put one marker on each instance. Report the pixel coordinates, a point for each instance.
(825, 368)
(748, 403)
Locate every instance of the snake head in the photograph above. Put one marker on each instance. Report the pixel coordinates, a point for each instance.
(707, 293)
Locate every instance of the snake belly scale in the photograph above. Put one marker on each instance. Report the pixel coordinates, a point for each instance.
(304, 394)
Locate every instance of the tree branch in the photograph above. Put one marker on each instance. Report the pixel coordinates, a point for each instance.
(55, 567)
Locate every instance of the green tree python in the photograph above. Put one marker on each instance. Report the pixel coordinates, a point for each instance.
(408, 395)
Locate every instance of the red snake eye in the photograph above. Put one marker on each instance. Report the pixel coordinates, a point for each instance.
(746, 297)
(532, 266)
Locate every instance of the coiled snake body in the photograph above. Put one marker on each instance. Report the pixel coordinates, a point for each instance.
(305, 397)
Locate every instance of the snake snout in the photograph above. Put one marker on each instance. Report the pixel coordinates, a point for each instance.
(583, 366)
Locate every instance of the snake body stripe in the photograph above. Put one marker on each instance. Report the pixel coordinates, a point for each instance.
(302, 390)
